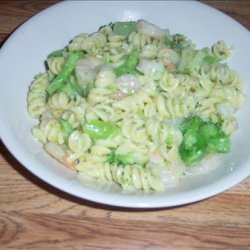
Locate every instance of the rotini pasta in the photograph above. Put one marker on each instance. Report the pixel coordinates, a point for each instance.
(91, 43)
(55, 64)
(37, 96)
(49, 131)
(129, 177)
(138, 40)
(134, 105)
(118, 49)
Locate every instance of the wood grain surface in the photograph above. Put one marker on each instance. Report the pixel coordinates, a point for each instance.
(34, 215)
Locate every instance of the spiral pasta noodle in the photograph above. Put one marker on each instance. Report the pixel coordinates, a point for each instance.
(128, 177)
(49, 131)
(37, 96)
(182, 108)
(221, 50)
(55, 64)
(79, 142)
(118, 49)
(138, 40)
(99, 95)
(104, 112)
(90, 43)
(134, 129)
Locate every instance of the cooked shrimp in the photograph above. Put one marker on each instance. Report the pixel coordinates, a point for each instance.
(169, 57)
(58, 153)
(128, 83)
(151, 68)
(86, 69)
(155, 157)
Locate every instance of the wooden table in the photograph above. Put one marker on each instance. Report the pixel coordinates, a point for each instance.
(34, 215)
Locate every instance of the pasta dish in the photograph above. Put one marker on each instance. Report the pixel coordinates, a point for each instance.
(135, 105)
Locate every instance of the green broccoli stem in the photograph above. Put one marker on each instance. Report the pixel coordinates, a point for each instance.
(68, 67)
(129, 65)
(57, 53)
(98, 129)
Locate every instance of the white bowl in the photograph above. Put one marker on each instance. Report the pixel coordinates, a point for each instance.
(23, 54)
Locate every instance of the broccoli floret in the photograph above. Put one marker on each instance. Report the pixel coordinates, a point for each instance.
(120, 159)
(201, 138)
